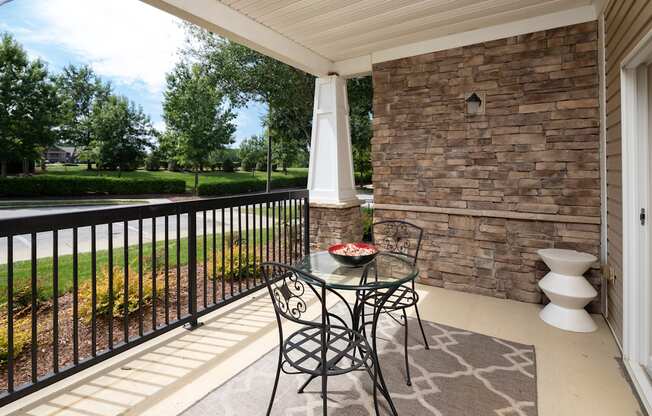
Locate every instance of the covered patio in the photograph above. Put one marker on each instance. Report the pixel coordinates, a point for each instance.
(174, 373)
(497, 130)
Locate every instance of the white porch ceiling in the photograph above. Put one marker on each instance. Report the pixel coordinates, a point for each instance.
(348, 36)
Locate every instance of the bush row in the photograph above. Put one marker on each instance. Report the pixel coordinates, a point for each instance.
(245, 186)
(55, 185)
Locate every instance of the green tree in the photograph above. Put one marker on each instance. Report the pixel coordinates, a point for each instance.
(121, 132)
(80, 90)
(360, 94)
(253, 152)
(246, 75)
(28, 105)
(194, 113)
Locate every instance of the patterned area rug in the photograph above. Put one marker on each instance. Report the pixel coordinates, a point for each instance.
(463, 374)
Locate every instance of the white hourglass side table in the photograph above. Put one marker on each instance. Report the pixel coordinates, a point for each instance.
(569, 292)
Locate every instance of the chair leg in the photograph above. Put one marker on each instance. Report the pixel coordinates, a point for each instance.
(278, 373)
(425, 339)
(324, 388)
(311, 378)
(405, 345)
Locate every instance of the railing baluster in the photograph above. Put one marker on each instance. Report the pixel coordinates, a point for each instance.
(223, 259)
(254, 243)
(125, 286)
(214, 280)
(260, 227)
(10, 314)
(267, 231)
(231, 249)
(273, 231)
(285, 232)
(239, 250)
(34, 284)
(154, 274)
(297, 230)
(192, 267)
(205, 260)
(93, 292)
(55, 301)
(109, 230)
(75, 295)
(178, 253)
(140, 277)
(246, 245)
(306, 226)
(301, 224)
(166, 255)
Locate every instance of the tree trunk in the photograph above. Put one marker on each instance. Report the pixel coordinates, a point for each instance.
(3, 168)
(196, 180)
(25, 167)
(89, 165)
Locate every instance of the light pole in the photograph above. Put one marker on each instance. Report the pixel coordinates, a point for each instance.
(269, 162)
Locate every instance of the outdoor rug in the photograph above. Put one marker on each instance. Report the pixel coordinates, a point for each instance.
(463, 374)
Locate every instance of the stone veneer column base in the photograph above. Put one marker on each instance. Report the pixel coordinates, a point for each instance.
(332, 224)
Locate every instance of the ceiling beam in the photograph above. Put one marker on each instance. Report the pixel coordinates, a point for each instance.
(222, 20)
(363, 64)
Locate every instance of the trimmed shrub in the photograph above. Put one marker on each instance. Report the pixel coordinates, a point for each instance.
(22, 337)
(363, 178)
(55, 185)
(228, 166)
(240, 266)
(102, 293)
(245, 186)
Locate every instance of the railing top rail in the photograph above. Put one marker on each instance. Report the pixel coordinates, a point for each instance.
(86, 218)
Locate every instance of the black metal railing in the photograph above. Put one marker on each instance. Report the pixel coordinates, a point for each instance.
(79, 287)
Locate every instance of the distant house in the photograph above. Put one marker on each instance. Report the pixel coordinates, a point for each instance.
(61, 154)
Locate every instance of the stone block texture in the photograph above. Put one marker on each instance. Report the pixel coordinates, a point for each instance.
(534, 150)
(329, 225)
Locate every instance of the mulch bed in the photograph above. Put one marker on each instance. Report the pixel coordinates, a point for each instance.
(45, 356)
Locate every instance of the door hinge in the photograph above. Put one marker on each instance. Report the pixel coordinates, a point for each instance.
(642, 216)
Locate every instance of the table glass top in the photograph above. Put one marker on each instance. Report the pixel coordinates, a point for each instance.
(393, 270)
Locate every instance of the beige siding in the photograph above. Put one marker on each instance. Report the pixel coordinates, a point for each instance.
(626, 22)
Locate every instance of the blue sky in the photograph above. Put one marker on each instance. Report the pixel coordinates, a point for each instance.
(127, 42)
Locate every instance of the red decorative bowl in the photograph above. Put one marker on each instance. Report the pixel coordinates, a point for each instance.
(345, 254)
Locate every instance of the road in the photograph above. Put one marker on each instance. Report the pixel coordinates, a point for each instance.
(44, 241)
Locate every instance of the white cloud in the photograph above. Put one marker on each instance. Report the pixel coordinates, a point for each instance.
(127, 40)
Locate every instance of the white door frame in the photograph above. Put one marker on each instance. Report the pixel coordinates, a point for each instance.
(637, 289)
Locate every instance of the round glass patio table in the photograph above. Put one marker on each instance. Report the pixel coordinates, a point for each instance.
(389, 271)
(376, 280)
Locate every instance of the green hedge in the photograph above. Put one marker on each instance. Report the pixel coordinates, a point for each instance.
(244, 186)
(56, 185)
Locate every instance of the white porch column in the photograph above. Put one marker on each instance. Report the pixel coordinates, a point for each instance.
(330, 174)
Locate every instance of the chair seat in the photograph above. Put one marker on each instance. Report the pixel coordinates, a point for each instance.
(302, 350)
(403, 297)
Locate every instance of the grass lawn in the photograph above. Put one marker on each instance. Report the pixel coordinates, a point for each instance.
(22, 269)
(188, 177)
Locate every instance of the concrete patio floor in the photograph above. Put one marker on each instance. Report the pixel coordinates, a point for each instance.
(578, 374)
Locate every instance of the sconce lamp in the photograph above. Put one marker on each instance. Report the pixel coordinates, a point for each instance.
(475, 103)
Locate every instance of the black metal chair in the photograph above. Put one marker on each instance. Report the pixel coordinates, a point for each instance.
(403, 238)
(320, 348)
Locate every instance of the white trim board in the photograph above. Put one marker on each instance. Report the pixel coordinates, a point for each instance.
(637, 290)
